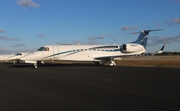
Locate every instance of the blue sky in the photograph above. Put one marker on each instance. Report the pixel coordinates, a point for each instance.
(26, 25)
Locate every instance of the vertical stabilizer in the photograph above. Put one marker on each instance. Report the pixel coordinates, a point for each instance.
(161, 50)
(143, 37)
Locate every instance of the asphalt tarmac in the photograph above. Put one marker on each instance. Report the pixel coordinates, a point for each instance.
(86, 87)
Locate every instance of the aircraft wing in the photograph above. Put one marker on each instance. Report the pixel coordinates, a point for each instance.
(108, 58)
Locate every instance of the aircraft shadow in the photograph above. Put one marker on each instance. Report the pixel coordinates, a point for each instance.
(51, 65)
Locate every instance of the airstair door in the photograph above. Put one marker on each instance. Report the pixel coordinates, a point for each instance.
(55, 51)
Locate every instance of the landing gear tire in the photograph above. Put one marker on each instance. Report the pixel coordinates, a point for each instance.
(35, 66)
(113, 64)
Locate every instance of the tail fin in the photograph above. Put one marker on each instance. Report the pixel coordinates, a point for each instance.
(163, 47)
(143, 37)
(161, 50)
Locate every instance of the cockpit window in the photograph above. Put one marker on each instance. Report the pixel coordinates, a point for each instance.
(43, 49)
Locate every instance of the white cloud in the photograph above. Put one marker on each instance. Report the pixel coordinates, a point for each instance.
(12, 51)
(19, 45)
(27, 3)
(157, 40)
(125, 28)
(8, 39)
(41, 35)
(176, 21)
(92, 40)
(95, 38)
(156, 25)
(173, 22)
(2, 31)
(24, 50)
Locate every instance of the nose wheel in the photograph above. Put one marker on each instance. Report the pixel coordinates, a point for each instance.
(35, 66)
(113, 63)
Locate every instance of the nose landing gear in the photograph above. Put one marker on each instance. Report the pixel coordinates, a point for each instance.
(113, 63)
(35, 66)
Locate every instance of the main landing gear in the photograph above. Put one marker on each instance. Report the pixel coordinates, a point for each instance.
(112, 63)
(36, 64)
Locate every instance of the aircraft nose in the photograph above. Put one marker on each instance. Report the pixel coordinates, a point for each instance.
(25, 57)
(11, 58)
(22, 58)
(29, 56)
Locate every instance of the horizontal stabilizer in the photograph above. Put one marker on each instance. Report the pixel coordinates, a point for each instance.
(147, 31)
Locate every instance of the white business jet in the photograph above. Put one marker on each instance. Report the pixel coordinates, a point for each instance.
(12, 57)
(4, 58)
(99, 54)
(16, 57)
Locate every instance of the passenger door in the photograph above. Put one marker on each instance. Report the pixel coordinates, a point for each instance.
(55, 51)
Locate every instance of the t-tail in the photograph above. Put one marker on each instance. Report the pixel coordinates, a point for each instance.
(161, 50)
(143, 36)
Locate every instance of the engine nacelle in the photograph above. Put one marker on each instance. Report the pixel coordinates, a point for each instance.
(130, 48)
